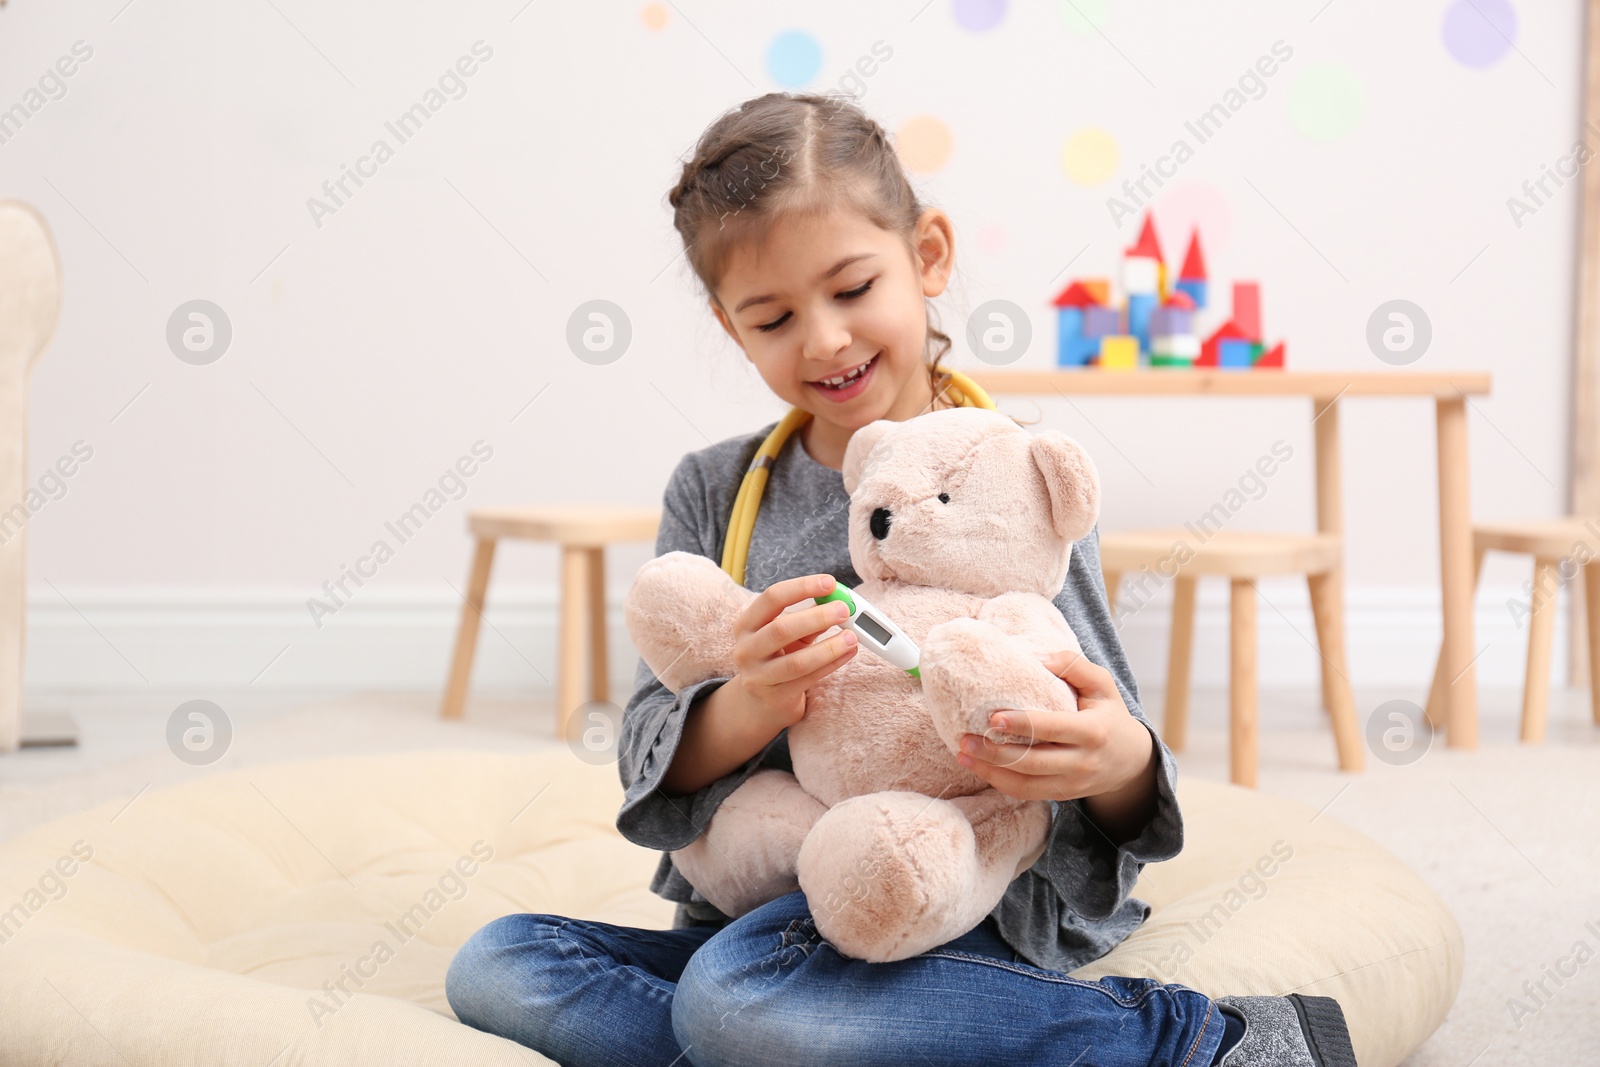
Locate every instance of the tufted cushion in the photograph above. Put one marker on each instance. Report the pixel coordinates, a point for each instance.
(213, 923)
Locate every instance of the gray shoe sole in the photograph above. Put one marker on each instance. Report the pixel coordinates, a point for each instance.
(1322, 1021)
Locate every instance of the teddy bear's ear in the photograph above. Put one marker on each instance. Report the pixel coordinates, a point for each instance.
(862, 442)
(1072, 481)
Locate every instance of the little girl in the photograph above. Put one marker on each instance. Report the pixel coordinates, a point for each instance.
(818, 260)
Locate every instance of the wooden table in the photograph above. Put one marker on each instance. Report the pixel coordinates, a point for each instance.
(1449, 390)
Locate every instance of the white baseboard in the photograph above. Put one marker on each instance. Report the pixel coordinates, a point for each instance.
(88, 639)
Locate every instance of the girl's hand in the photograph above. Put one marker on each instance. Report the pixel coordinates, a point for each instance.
(1099, 752)
(775, 652)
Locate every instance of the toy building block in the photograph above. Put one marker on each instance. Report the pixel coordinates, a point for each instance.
(1101, 321)
(1069, 337)
(1141, 274)
(1099, 288)
(1209, 351)
(1247, 308)
(1149, 247)
(1119, 352)
(1077, 294)
(1272, 358)
(1235, 354)
(1192, 276)
(1184, 346)
(1141, 306)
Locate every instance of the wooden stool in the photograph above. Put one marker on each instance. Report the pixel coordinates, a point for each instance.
(1549, 542)
(582, 531)
(1242, 558)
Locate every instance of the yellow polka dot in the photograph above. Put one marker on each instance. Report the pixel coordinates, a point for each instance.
(654, 15)
(1090, 156)
(924, 143)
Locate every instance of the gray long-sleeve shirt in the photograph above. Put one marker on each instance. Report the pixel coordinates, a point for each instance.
(1072, 906)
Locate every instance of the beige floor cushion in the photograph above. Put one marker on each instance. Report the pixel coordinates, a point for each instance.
(214, 924)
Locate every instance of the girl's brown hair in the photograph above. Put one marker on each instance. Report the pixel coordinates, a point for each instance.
(792, 153)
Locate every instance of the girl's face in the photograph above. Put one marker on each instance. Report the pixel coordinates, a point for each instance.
(832, 311)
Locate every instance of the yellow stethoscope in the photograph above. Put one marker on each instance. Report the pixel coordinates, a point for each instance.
(742, 523)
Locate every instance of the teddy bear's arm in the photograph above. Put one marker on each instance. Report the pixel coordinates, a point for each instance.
(1031, 619)
(972, 668)
(680, 612)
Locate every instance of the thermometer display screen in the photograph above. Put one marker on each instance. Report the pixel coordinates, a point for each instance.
(873, 628)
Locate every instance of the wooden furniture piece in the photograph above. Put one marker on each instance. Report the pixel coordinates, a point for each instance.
(30, 304)
(1242, 558)
(1584, 498)
(1553, 544)
(1448, 390)
(583, 531)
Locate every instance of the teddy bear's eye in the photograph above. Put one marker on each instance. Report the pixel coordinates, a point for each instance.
(944, 498)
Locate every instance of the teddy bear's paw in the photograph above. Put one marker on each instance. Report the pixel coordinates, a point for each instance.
(971, 668)
(680, 612)
(747, 855)
(889, 875)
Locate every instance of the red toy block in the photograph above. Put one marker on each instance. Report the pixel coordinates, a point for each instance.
(1247, 308)
(1272, 357)
(1180, 300)
(1077, 295)
(1194, 263)
(1147, 245)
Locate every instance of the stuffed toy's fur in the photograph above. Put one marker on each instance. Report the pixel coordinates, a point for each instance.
(961, 528)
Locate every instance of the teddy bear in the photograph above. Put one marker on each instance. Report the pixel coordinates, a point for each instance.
(961, 528)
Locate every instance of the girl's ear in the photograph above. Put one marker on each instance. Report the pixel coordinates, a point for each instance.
(862, 442)
(936, 250)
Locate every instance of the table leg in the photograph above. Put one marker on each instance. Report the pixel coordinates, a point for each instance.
(1455, 565)
(1591, 607)
(455, 690)
(1243, 699)
(569, 653)
(1434, 710)
(1330, 520)
(1180, 654)
(599, 685)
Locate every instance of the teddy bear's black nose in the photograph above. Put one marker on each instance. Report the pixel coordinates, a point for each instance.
(880, 523)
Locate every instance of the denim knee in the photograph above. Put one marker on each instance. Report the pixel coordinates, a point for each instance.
(487, 984)
(743, 1001)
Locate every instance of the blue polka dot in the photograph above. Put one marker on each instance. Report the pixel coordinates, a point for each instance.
(793, 58)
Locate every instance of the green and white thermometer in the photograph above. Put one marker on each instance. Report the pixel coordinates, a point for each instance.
(876, 631)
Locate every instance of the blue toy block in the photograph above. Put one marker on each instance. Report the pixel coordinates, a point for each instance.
(1073, 349)
(1077, 351)
(1235, 355)
(1140, 307)
(1196, 291)
(1101, 322)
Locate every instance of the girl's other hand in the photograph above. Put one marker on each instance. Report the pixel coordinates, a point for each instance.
(776, 655)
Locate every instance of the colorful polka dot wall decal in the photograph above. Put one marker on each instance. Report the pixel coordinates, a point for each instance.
(924, 143)
(1090, 156)
(1479, 33)
(654, 15)
(1180, 209)
(992, 239)
(793, 58)
(1326, 102)
(979, 15)
(1083, 16)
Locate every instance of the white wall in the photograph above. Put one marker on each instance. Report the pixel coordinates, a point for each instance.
(424, 314)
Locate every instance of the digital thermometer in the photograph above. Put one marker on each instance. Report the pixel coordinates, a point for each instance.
(876, 631)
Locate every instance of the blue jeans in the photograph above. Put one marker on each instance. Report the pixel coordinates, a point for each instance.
(768, 989)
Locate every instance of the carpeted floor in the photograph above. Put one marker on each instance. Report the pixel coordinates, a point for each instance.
(1508, 834)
